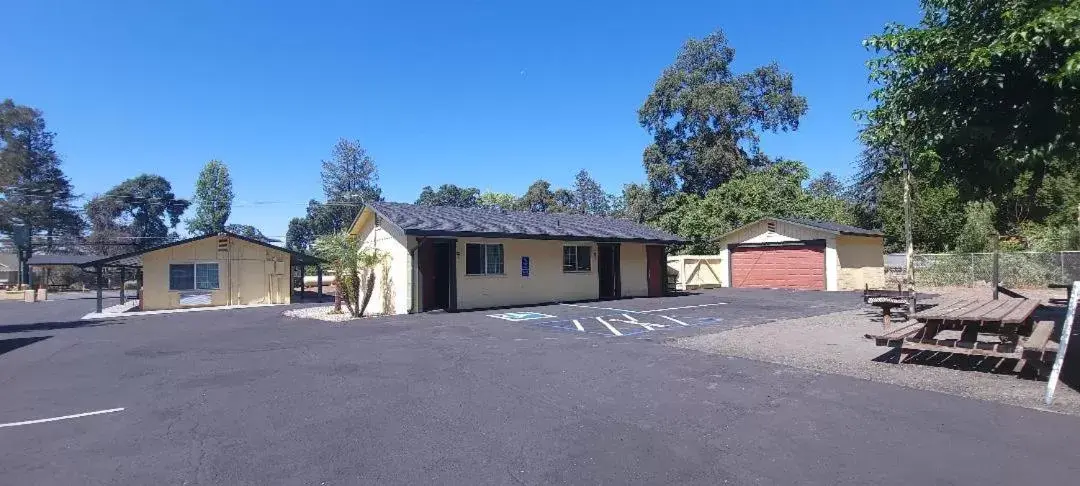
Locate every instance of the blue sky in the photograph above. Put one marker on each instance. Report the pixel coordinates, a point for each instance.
(487, 94)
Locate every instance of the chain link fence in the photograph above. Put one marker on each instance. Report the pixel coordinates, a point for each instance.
(1016, 269)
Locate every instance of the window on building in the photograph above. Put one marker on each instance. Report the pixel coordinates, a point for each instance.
(193, 276)
(483, 259)
(577, 258)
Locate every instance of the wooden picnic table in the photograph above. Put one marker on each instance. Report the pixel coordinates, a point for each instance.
(1007, 319)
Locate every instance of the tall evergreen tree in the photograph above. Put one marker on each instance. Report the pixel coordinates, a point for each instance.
(34, 192)
(213, 199)
(589, 197)
(350, 179)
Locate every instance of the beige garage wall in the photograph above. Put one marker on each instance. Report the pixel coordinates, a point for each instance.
(247, 273)
(392, 292)
(633, 270)
(546, 281)
(862, 262)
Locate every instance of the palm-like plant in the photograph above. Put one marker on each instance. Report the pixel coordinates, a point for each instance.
(353, 265)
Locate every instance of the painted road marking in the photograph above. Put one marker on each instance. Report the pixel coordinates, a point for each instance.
(683, 307)
(631, 320)
(520, 316)
(676, 321)
(65, 417)
(609, 326)
(602, 308)
(578, 326)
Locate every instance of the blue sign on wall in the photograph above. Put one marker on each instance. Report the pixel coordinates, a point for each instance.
(524, 266)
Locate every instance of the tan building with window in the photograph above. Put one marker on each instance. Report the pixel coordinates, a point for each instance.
(458, 258)
(214, 270)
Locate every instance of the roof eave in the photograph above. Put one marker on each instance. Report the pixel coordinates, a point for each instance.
(526, 236)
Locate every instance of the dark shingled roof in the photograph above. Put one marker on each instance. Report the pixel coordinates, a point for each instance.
(835, 227)
(493, 223)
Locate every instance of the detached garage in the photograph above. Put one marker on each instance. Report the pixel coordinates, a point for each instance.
(802, 254)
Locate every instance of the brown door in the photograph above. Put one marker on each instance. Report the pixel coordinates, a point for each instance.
(435, 258)
(656, 263)
(781, 267)
(607, 267)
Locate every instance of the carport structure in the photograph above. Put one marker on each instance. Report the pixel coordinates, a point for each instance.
(96, 264)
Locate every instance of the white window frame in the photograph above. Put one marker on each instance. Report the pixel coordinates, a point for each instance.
(577, 247)
(194, 276)
(502, 251)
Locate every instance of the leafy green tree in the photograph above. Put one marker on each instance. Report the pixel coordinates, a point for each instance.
(449, 195)
(143, 207)
(563, 201)
(705, 119)
(497, 200)
(774, 190)
(978, 232)
(826, 185)
(538, 198)
(938, 210)
(988, 89)
(249, 231)
(213, 199)
(637, 203)
(299, 236)
(589, 197)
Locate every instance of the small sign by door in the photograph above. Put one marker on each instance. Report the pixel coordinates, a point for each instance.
(524, 266)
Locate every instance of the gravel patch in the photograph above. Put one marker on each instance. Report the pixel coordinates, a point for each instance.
(323, 313)
(835, 343)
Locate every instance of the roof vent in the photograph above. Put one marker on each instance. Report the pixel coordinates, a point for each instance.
(771, 226)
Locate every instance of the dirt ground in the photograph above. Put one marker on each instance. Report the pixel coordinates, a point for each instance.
(836, 343)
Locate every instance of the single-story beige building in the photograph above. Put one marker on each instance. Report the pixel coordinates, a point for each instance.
(802, 254)
(468, 258)
(213, 270)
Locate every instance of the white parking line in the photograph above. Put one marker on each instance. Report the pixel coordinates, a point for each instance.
(609, 326)
(676, 321)
(578, 326)
(631, 320)
(683, 307)
(603, 308)
(65, 417)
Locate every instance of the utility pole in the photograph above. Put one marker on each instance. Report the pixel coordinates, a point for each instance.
(907, 234)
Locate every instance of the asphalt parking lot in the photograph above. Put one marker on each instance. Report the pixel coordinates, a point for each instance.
(252, 397)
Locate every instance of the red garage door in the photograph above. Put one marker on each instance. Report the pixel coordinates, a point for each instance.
(781, 267)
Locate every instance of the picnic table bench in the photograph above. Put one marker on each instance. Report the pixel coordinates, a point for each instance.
(887, 300)
(1003, 322)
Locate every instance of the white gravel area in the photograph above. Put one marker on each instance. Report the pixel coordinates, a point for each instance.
(322, 313)
(836, 343)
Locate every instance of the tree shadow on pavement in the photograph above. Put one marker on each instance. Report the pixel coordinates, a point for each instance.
(49, 326)
(12, 344)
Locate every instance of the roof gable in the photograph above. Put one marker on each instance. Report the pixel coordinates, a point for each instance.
(418, 220)
(814, 225)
